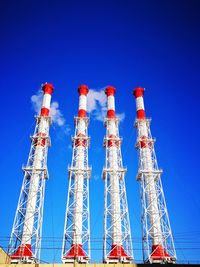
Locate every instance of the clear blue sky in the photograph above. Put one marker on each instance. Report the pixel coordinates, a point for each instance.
(154, 44)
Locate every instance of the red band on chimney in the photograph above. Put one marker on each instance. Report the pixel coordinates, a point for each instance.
(83, 89)
(110, 90)
(111, 113)
(48, 88)
(81, 113)
(44, 112)
(139, 91)
(141, 114)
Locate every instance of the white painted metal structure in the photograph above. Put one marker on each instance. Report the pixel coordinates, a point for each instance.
(117, 245)
(158, 245)
(25, 241)
(76, 239)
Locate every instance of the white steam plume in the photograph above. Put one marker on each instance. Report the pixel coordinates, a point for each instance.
(97, 105)
(55, 113)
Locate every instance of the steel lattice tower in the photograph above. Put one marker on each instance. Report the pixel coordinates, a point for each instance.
(158, 245)
(25, 241)
(76, 239)
(117, 234)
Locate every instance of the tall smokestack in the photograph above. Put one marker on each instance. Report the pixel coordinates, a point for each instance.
(117, 235)
(158, 245)
(25, 238)
(76, 238)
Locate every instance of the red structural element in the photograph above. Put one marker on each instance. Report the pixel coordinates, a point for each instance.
(112, 141)
(117, 252)
(159, 253)
(22, 251)
(145, 142)
(82, 113)
(48, 88)
(111, 113)
(83, 89)
(44, 112)
(81, 140)
(139, 91)
(75, 251)
(110, 90)
(40, 140)
(141, 114)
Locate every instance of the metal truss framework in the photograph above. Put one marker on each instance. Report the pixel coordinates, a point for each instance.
(72, 251)
(23, 253)
(125, 252)
(152, 196)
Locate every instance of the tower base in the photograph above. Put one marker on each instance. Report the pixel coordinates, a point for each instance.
(160, 255)
(75, 254)
(23, 254)
(118, 255)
